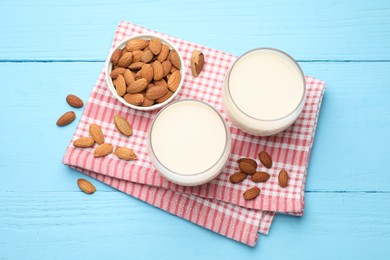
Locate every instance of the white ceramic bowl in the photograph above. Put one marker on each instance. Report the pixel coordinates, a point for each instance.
(122, 45)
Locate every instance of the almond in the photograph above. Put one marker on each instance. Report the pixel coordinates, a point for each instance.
(138, 75)
(167, 66)
(155, 46)
(86, 186)
(125, 153)
(260, 177)
(248, 160)
(66, 118)
(175, 59)
(129, 77)
(125, 60)
(120, 85)
(174, 81)
(163, 53)
(136, 65)
(122, 125)
(84, 142)
(265, 159)
(161, 82)
(165, 97)
(74, 101)
(137, 55)
(251, 193)
(283, 178)
(136, 44)
(158, 71)
(134, 99)
(116, 72)
(147, 72)
(173, 69)
(247, 168)
(197, 63)
(156, 92)
(237, 177)
(147, 102)
(147, 56)
(103, 150)
(96, 132)
(116, 55)
(137, 86)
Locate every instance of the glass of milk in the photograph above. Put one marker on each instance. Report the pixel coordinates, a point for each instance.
(189, 142)
(264, 91)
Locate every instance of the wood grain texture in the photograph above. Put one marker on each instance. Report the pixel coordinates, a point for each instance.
(308, 30)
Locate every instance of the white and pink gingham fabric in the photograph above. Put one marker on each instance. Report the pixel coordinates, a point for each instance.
(218, 205)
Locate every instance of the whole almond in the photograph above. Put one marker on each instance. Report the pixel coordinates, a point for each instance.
(84, 142)
(174, 81)
(147, 72)
(147, 56)
(129, 77)
(138, 75)
(251, 193)
(147, 102)
(161, 82)
(260, 177)
(125, 60)
(74, 101)
(197, 63)
(136, 65)
(137, 55)
(175, 59)
(96, 132)
(103, 150)
(247, 168)
(158, 71)
(265, 159)
(237, 177)
(66, 118)
(165, 97)
(167, 66)
(136, 44)
(283, 178)
(116, 55)
(125, 153)
(134, 99)
(248, 160)
(120, 85)
(86, 186)
(155, 46)
(156, 92)
(137, 86)
(163, 53)
(116, 72)
(122, 125)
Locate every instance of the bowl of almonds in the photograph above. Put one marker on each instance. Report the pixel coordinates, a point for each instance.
(145, 72)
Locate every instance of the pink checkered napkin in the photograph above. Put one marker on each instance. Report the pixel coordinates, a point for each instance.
(218, 205)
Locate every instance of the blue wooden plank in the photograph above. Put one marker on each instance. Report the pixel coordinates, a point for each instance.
(326, 30)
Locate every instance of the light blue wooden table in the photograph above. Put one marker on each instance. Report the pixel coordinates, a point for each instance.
(51, 48)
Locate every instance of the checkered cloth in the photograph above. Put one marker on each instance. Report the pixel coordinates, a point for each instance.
(217, 205)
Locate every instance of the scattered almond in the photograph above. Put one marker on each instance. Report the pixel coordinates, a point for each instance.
(247, 167)
(237, 177)
(123, 126)
(103, 150)
(260, 177)
(86, 186)
(125, 153)
(66, 118)
(248, 160)
(251, 193)
(197, 63)
(84, 142)
(265, 159)
(96, 132)
(283, 178)
(74, 101)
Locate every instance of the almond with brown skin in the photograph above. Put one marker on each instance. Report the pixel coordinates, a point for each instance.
(161, 82)
(129, 77)
(283, 178)
(158, 71)
(155, 46)
(147, 102)
(163, 55)
(251, 193)
(174, 81)
(85, 186)
(120, 85)
(66, 118)
(84, 142)
(248, 160)
(137, 44)
(96, 132)
(136, 65)
(137, 86)
(125, 154)
(265, 159)
(147, 72)
(156, 92)
(147, 56)
(138, 75)
(125, 60)
(137, 55)
(116, 55)
(237, 177)
(122, 125)
(134, 99)
(165, 97)
(175, 59)
(247, 168)
(173, 69)
(197, 63)
(167, 66)
(116, 72)
(260, 177)
(103, 150)
(74, 101)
